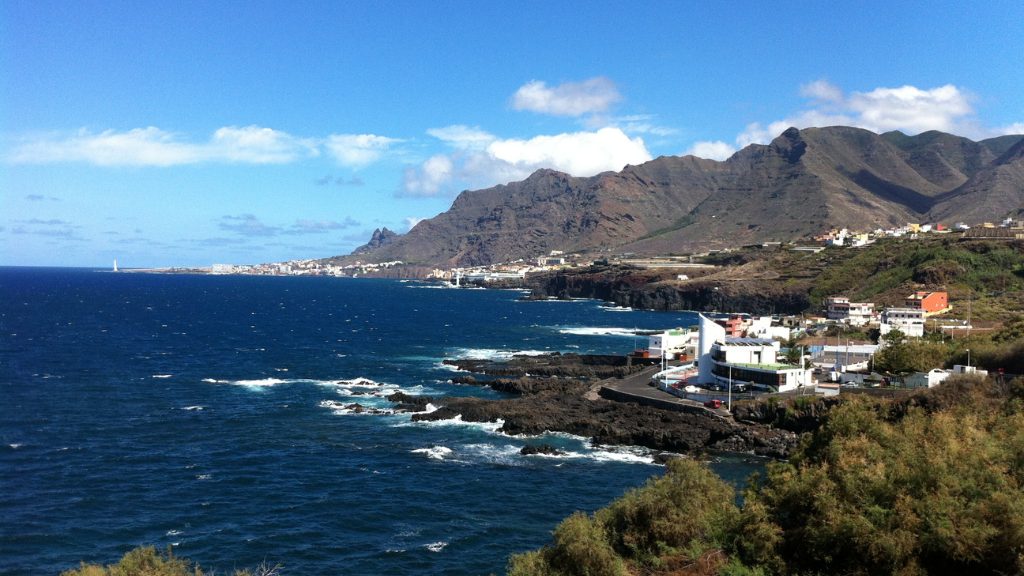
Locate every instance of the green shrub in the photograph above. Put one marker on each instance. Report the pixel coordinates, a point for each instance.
(687, 508)
(145, 561)
(930, 493)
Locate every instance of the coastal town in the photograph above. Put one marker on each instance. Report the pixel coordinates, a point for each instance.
(727, 357)
(742, 357)
(1008, 228)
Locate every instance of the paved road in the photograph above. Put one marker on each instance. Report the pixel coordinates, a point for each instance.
(639, 385)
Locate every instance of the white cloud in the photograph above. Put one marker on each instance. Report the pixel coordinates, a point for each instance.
(635, 124)
(358, 149)
(430, 178)
(1015, 128)
(255, 145)
(908, 109)
(506, 160)
(247, 225)
(463, 136)
(717, 150)
(154, 147)
(579, 154)
(319, 227)
(757, 133)
(412, 221)
(567, 99)
(822, 90)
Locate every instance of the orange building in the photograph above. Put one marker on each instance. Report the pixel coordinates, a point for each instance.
(930, 302)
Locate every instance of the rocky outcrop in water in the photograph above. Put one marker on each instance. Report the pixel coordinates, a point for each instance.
(560, 404)
(409, 403)
(545, 449)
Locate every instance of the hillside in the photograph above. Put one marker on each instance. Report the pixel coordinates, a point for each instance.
(756, 281)
(803, 182)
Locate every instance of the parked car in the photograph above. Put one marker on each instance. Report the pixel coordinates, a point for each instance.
(713, 403)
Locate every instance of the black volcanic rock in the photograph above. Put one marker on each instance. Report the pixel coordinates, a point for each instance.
(545, 449)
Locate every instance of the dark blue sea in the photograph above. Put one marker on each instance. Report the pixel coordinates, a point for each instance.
(206, 413)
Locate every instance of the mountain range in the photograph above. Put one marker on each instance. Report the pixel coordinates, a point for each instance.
(803, 183)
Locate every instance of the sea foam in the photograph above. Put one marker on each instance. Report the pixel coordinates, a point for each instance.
(593, 331)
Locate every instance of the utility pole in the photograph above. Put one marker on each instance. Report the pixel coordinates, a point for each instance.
(730, 388)
(970, 296)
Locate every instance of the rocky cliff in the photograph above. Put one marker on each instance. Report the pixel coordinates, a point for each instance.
(803, 182)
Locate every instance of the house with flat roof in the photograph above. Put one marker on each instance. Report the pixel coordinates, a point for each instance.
(910, 321)
(929, 302)
(854, 313)
(724, 361)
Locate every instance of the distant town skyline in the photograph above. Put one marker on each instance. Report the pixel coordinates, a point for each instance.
(187, 134)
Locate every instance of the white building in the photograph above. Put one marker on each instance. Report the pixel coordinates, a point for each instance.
(670, 342)
(969, 370)
(723, 360)
(761, 327)
(928, 379)
(853, 313)
(223, 269)
(910, 321)
(551, 261)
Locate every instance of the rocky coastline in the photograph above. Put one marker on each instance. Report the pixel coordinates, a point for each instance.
(558, 396)
(657, 291)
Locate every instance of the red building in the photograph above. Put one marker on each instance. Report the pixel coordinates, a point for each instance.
(736, 326)
(930, 302)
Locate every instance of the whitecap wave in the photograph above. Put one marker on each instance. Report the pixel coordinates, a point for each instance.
(494, 354)
(450, 367)
(594, 331)
(626, 454)
(264, 383)
(342, 409)
(434, 452)
(458, 421)
(192, 408)
(435, 546)
(161, 376)
(173, 532)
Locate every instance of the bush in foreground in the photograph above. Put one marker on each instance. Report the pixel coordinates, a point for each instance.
(933, 484)
(146, 561)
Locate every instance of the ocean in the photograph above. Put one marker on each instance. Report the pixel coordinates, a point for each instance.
(207, 413)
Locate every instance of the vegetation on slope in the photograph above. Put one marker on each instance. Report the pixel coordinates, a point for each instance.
(931, 484)
(1002, 349)
(981, 267)
(146, 561)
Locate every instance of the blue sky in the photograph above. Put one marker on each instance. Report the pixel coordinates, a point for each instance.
(184, 134)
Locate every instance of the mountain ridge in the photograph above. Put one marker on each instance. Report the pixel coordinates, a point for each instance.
(802, 183)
